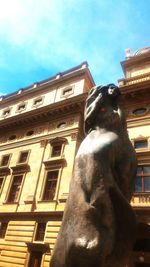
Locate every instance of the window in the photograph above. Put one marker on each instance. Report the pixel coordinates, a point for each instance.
(21, 107)
(140, 144)
(67, 91)
(12, 137)
(3, 229)
(50, 185)
(29, 133)
(139, 111)
(15, 188)
(61, 125)
(1, 182)
(23, 157)
(56, 150)
(6, 112)
(38, 101)
(5, 160)
(35, 259)
(142, 183)
(40, 232)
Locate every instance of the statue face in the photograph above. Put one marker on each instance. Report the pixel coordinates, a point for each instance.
(102, 106)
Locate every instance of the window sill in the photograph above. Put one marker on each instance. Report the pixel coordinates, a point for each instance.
(10, 203)
(47, 201)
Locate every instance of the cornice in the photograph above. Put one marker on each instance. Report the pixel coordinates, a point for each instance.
(39, 139)
(139, 121)
(50, 111)
(49, 83)
(32, 215)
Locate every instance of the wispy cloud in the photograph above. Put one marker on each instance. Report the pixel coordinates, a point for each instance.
(41, 37)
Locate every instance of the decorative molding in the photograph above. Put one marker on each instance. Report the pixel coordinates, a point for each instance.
(55, 140)
(29, 199)
(20, 168)
(143, 156)
(38, 247)
(4, 171)
(57, 162)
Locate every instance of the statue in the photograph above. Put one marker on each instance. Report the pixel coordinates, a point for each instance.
(99, 225)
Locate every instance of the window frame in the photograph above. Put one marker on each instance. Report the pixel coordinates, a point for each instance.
(19, 157)
(69, 88)
(52, 154)
(142, 176)
(21, 104)
(36, 229)
(7, 162)
(141, 140)
(45, 182)
(5, 110)
(58, 141)
(34, 105)
(10, 188)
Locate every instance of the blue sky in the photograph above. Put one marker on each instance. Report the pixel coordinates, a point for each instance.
(39, 38)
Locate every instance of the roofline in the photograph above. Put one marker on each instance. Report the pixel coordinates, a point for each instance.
(134, 59)
(51, 80)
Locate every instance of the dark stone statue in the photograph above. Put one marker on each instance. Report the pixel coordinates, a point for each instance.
(99, 225)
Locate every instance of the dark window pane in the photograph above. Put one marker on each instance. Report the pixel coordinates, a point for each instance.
(5, 160)
(147, 184)
(138, 184)
(140, 144)
(21, 107)
(56, 150)
(12, 137)
(3, 228)
(40, 232)
(23, 157)
(50, 185)
(146, 169)
(139, 169)
(61, 125)
(15, 188)
(139, 111)
(38, 101)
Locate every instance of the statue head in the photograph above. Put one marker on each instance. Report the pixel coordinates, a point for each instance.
(102, 106)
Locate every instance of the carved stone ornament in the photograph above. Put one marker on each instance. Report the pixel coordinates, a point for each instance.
(99, 225)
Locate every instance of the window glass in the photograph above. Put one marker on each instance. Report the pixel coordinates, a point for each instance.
(147, 184)
(61, 125)
(23, 157)
(38, 101)
(21, 107)
(5, 160)
(142, 182)
(6, 112)
(138, 184)
(15, 188)
(139, 111)
(40, 232)
(50, 185)
(146, 169)
(12, 137)
(141, 144)
(56, 150)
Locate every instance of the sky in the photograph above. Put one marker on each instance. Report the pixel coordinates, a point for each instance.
(39, 38)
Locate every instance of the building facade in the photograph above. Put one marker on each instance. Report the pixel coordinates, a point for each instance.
(40, 130)
(135, 88)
